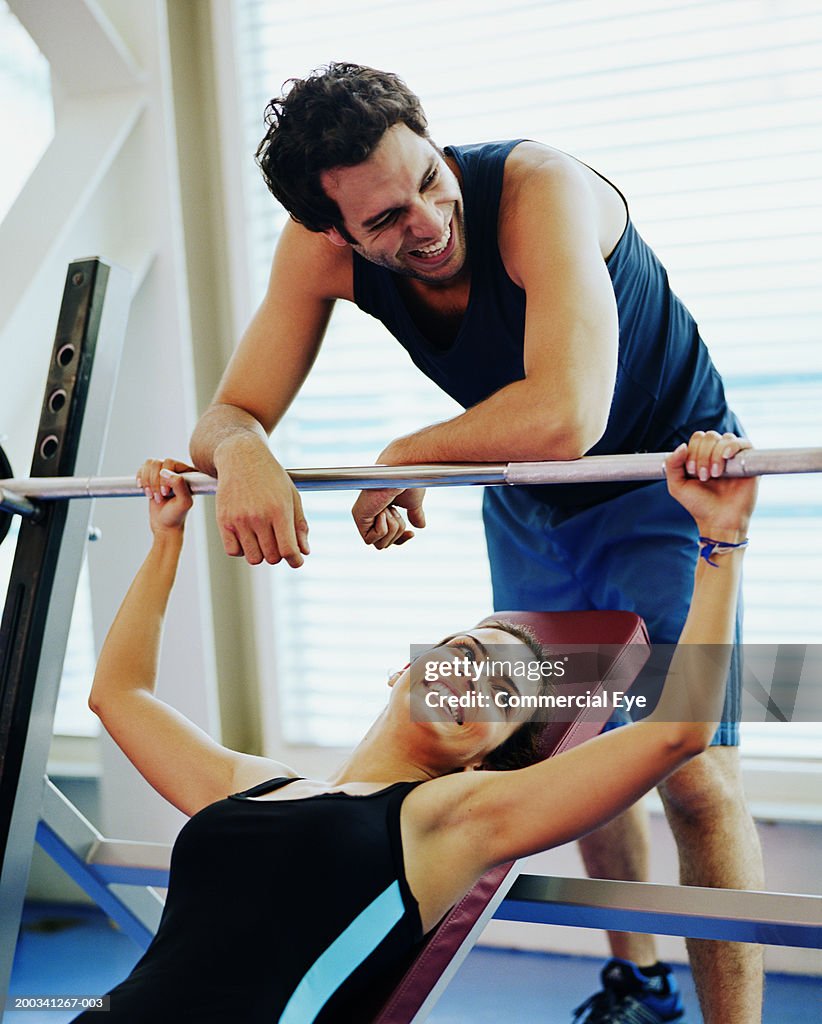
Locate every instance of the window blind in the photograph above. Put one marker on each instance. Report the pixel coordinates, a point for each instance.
(708, 117)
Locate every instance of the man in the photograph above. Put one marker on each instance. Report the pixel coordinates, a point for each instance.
(515, 279)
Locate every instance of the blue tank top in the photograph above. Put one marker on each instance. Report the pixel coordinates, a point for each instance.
(666, 385)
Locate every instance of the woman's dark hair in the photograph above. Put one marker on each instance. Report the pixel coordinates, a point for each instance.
(334, 118)
(522, 747)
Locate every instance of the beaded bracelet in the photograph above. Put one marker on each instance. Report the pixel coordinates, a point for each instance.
(708, 547)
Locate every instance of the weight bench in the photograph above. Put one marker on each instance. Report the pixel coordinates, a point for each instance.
(606, 651)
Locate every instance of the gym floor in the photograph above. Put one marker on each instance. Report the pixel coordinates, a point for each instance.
(74, 949)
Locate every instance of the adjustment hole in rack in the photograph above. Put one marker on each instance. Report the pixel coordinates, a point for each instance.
(57, 399)
(65, 355)
(49, 446)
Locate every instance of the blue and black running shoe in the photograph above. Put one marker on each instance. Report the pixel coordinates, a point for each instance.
(631, 996)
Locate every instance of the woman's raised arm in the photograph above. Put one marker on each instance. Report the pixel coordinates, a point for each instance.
(567, 796)
(181, 761)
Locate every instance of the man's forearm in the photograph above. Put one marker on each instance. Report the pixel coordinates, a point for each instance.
(222, 425)
(515, 424)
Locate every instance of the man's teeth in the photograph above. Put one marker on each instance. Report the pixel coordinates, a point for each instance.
(436, 248)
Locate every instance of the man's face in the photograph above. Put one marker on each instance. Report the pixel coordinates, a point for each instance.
(403, 205)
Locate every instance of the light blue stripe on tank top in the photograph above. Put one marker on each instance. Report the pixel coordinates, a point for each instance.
(343, 956)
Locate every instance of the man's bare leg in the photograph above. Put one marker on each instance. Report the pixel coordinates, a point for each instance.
(718, 847)
(619, 850)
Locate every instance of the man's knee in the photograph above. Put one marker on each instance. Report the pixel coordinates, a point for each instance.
(706, 789)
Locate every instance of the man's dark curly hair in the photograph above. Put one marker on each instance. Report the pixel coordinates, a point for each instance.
(333, 118)
(522, 747)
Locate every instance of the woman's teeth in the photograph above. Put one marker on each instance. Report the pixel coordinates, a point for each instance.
(446, 705)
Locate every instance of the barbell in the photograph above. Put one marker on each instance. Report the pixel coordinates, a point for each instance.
(21, 496)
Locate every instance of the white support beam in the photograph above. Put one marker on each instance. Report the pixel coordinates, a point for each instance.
(83, 49)
(90, 134)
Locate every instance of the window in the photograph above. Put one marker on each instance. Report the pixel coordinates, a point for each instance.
(707, 116)
(26, 116)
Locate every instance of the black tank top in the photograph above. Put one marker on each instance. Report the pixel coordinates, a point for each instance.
(278, 911)
(666, 385)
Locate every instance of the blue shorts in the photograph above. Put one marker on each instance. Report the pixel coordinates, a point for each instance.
(635, 552)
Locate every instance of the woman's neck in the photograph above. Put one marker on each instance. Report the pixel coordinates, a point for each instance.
(374, 760)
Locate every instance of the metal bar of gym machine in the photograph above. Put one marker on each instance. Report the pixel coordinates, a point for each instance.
(589, 469)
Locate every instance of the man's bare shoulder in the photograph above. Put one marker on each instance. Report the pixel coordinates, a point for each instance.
(538, 177)
(530, 155)
(533, 166)
(308, 261)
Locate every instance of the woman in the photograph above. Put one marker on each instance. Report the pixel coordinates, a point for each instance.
(289, 897)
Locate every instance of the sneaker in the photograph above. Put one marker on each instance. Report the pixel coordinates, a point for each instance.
(629, 996)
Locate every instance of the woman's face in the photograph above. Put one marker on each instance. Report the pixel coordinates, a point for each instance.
(460, 698)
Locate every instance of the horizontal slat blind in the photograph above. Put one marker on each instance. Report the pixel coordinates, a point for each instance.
(708, 116)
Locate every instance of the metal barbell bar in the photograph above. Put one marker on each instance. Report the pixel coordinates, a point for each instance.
(16, 494)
